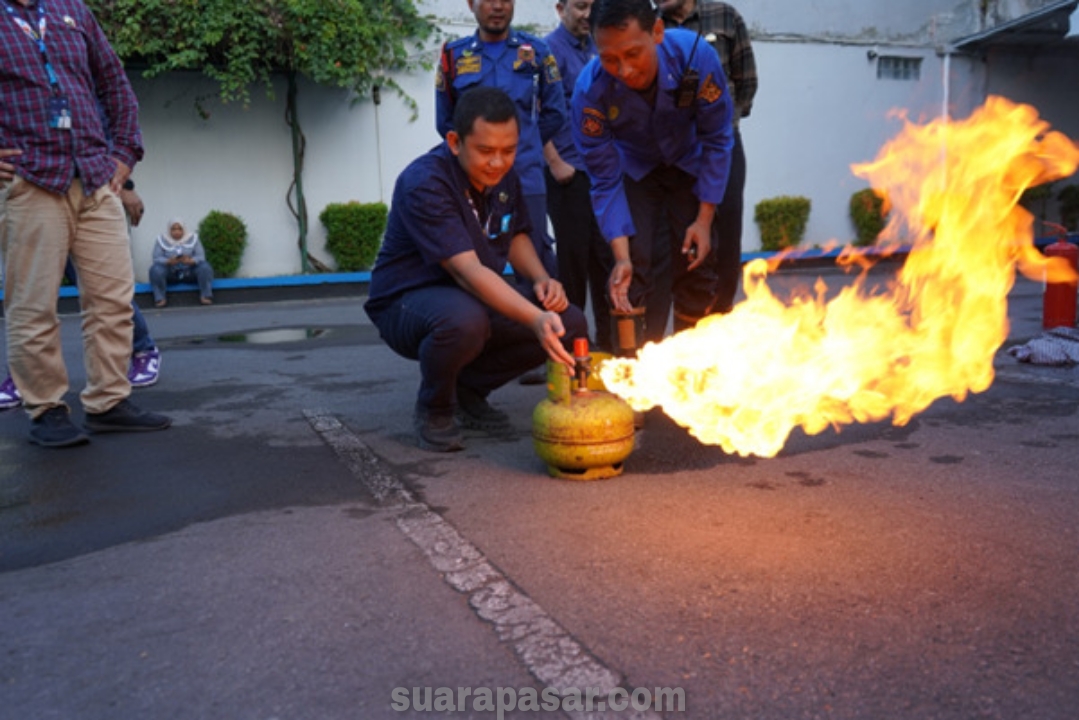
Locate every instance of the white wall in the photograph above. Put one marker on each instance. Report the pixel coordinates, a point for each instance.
(819, 109)
(910, 22)
(240, 160)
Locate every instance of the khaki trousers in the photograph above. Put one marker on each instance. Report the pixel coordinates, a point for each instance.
(38, 231)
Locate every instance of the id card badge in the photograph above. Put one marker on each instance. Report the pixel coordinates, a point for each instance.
(59, 113)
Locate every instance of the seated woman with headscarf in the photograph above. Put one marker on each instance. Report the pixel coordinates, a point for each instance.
(179, 257)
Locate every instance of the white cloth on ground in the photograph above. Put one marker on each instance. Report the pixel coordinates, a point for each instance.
(1059, 346)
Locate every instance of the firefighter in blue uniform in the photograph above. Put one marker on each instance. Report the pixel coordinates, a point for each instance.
(521, 65)
(652, 118)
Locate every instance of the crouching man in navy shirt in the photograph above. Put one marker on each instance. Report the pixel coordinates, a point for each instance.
(437, 292)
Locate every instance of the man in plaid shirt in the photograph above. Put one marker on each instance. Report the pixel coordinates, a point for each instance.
(59, 195)
(725, 30)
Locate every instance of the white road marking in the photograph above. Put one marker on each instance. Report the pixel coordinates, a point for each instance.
(543, 646)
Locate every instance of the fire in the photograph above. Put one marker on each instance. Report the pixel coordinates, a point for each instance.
(745, 380)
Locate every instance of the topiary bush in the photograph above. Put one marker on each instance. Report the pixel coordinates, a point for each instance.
(782, 221)
(224, 236)
(354, 233)
(1069, 207)
(867, 214)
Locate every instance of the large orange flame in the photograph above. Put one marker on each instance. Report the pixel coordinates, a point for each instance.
(745, 380)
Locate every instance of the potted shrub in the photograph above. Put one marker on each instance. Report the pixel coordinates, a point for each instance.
(868, 215)
(354, 233)
(224, 236)
(782, 221)
(1069, 207)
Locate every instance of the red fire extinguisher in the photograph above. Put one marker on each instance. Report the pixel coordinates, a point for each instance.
(1060, 297)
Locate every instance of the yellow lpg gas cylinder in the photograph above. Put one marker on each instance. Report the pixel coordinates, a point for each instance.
(580, 432)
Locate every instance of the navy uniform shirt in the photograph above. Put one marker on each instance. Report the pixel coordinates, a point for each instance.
(435, 215)
(524, 68)
(618, 131)
(572, 54)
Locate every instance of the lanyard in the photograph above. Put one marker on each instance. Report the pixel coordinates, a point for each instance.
(485, 225)
(37, 36)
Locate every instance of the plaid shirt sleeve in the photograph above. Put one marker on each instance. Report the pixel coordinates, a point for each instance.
(734, 48)
(104, 110)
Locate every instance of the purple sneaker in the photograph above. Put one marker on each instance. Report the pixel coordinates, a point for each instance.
(9, 394)
(144, 369)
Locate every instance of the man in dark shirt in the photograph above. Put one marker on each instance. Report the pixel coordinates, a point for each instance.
(437, 292)
(584, 260)
(56, 67)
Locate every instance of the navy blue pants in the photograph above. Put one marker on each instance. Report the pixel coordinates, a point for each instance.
(663, 205)
(162, 274)
(728, 223)
(458, 339)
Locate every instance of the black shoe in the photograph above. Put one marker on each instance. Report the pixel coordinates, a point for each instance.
(125, 416)
(437, 433)
(53, 428)
(473, 411)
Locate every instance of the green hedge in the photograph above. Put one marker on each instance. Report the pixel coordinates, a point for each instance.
(867, 214)
(224, 236)
(354, 233)
(782, 221)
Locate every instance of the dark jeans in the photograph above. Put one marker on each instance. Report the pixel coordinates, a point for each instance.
(728, 250)
(161, 275)
(584, 257)
(663, 205)
(458, 339)
(140, 336)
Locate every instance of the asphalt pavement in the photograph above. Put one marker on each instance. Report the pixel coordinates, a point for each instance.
(286, 551)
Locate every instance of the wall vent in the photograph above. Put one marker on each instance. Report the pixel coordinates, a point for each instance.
(892, 67)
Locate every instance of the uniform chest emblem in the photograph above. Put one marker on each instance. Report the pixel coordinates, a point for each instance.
(468, 64)
(526, 57)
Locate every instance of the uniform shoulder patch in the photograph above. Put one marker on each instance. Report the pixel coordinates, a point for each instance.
(550, 67)
(710, 90)
(593, 122)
